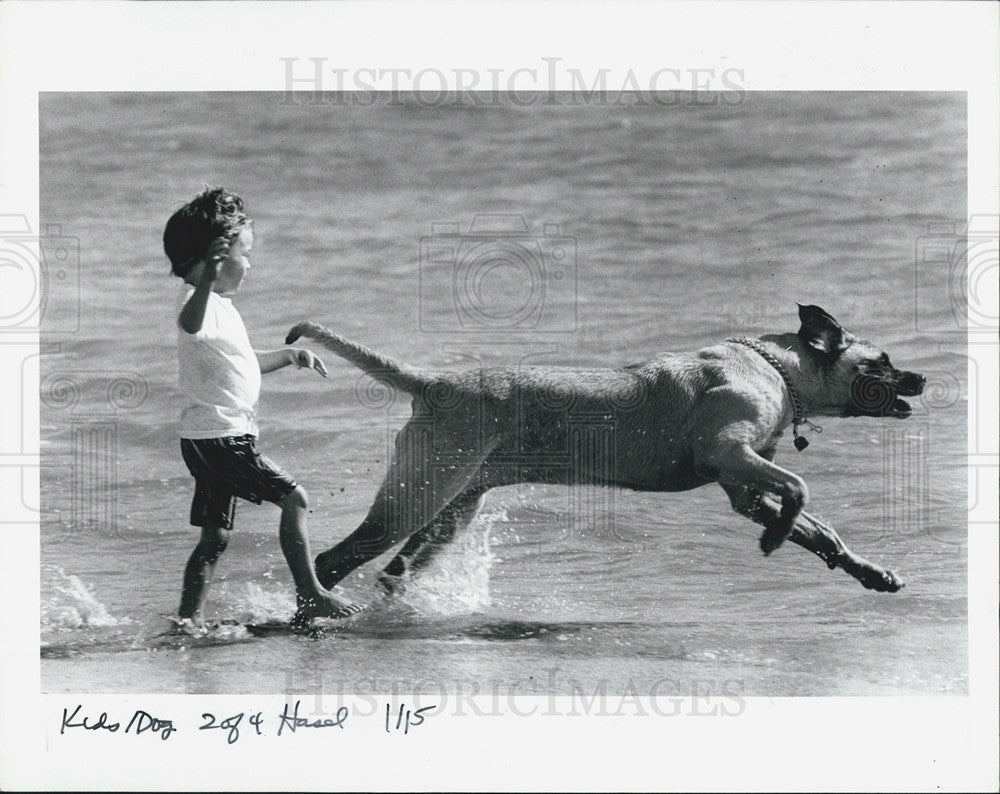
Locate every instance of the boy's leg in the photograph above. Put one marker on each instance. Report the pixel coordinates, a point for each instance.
(212, 509)
(247, 474)
(312, 599)
(200, 569)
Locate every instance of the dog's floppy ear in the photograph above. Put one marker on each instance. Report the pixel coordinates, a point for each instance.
(820, 332)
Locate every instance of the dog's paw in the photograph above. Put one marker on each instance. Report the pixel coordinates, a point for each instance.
(308, 330)
(772, 538)
(881, 580)
(871, 576)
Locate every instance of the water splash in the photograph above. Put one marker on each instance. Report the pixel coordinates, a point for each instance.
(261, 606)
(68, 603)
(457, 581)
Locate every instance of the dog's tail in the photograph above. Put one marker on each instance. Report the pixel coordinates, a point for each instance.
(402, 376)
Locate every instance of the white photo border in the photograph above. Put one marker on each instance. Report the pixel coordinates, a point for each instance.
(777, 744)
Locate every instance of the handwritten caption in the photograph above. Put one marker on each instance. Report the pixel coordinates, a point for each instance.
(234, 726)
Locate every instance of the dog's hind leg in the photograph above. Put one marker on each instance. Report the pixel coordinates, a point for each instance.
(424, 544)
(812, 534)
(417, 487)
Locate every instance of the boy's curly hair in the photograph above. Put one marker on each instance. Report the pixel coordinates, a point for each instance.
(215, 212)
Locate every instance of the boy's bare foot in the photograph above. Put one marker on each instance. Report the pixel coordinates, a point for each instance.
(323, 605)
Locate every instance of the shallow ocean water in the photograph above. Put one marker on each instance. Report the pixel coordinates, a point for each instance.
(681, 226)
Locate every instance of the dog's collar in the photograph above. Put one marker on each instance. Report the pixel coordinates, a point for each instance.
(798, 418)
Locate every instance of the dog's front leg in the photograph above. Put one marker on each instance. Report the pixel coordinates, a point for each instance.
(740, 466)
(812, 534)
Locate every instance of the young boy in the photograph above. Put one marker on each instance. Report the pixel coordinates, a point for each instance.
(208, 242)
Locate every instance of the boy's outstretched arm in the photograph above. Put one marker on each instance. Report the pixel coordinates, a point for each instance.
(193, 313)
(270, 360)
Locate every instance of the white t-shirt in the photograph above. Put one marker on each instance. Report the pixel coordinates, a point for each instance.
(219, 373)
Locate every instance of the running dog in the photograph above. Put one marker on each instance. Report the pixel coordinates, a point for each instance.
(679, 421)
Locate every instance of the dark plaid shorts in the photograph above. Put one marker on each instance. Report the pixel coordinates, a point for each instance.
(226, 468)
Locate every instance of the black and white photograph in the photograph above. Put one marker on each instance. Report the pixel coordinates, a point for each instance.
(647, 302)
(398, 396)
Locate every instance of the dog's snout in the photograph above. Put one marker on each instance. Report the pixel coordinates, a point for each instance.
(910, 384)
